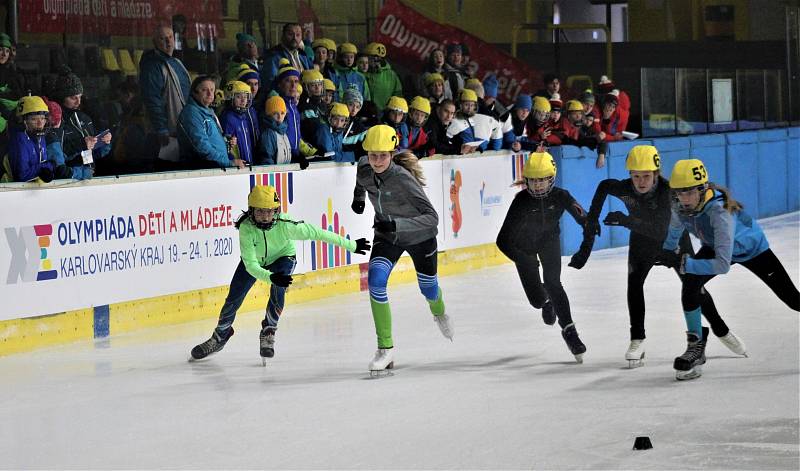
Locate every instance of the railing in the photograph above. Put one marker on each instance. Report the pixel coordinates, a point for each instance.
(697, 101)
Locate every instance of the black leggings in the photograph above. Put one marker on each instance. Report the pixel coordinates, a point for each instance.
(765, 265)
(641, 257)
(549, 253)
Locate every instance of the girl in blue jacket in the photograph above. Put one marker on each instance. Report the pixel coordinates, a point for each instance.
(27, 149)
(728, 235)
(330, 135)
(239, 120)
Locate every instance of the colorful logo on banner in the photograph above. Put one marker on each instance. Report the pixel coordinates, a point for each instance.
(323, 254)
(30, 258)
(487, 200)
(411, 37)
(455, 200)
(517, 164)
(283, 183)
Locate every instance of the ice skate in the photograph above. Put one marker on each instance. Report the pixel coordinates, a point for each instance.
(267, 341)
(382, 364)
(445, 325)
(548, 313)
(574, 342)
(690, 364)
(635, 353)
(210, 346)
(734, 343)
(439, 316)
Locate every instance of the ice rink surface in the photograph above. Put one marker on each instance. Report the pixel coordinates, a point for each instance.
(505, 394)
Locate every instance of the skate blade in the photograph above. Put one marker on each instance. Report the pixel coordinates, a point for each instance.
(579, 358)
(635, 362)
(695, 372)
(382, 373)
(263, 361)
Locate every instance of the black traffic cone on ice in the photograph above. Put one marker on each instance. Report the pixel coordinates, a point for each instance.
(642, 443)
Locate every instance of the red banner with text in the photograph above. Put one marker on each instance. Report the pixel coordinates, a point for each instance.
(411, 37)
(119, 17)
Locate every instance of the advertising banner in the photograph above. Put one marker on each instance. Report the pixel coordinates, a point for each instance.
(94, 244)
(117, 17)
(411, 37)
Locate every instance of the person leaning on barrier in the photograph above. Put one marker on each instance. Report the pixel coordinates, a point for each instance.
(54, 138)
(240, 120)
(357, 125)
(489, 104)
(515, 127)
(165, 84)
(473, 131)
(274, 146)
(419, 111)
(439, 142)
(27, 150)
(200, 136)
(331, 133)
(394, 116)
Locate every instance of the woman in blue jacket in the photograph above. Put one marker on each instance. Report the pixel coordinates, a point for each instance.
(200, 138)
(728, 235)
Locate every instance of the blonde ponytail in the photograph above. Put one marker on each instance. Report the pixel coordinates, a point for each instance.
(730, 204)
(410, 162)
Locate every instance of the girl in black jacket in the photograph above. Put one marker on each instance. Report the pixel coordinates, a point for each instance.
(530, 234)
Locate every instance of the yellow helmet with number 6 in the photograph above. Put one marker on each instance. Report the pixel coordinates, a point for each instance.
(643, 158)
(380, 138)
(688, 173)
(539, 165)
(263, 197)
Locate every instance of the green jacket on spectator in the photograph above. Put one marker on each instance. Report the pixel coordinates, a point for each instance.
(384, 84)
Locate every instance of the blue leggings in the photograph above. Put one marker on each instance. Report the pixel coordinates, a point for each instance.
(384, 256)
(240, 286)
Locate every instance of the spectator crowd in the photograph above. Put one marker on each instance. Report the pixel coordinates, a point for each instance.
(295, 103)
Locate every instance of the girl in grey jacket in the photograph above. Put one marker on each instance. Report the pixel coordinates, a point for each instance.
(405, 221)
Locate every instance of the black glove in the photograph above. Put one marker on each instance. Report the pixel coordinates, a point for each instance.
(46, 174)
(303, 162)
(669, 259)
(580, 257)
(617, 218)
(591, 228)
(362, 246)
(279, 279)
(385, 226)
(357, 206)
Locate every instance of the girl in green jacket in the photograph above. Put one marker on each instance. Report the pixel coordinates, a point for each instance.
(266, 242)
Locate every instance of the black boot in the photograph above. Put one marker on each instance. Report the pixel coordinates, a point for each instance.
(267, 340)
(574, 343)
(213, 345)
(688, 365)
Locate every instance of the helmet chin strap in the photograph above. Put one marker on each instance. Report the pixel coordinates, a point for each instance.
(263, 225)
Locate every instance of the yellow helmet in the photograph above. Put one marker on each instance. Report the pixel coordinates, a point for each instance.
(397, 103)
(346, 48)
(643, 158)
(542, 104)
(472, 82)
(329, 85)
(432, 78)
(539, 165)
(299, 89)
(375, 49)
(324, 42)
(219, 97)
(574, 105)
(380, 138)
(31, 104)
(340, 109)
(688, 173)
(468, 95)
(422, 104)
(263, 197)
(235, 86)
(312, 75)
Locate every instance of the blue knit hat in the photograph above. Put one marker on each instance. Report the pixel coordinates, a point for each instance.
(490, 86)
(247, 75)
(288, 72)
(523, 101)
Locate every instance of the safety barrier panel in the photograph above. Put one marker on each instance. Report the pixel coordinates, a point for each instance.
(103, 256)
